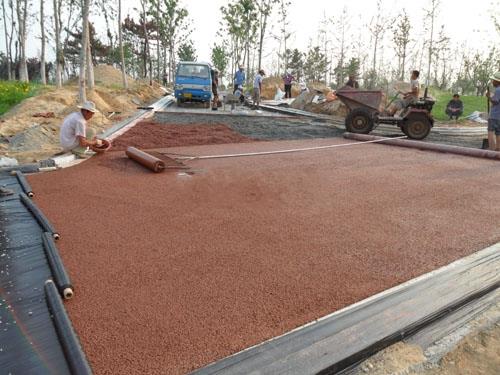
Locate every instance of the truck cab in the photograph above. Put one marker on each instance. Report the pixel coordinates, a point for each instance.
(193, 82)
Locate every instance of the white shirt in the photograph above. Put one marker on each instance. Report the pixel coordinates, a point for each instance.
(414, 83)
(72, 127)
(257, 81)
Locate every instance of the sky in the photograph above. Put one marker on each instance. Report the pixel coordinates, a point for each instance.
(466, 22)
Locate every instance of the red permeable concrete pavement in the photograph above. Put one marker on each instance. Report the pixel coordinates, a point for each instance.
(175, 271)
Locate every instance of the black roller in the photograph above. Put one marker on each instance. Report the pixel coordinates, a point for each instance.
(69, 341)
(38, 214)
(24, 184)
(59, 273)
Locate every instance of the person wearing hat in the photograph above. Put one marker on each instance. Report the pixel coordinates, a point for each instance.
(257, 88)
(239, 78)
(494, 116)
(75, 136)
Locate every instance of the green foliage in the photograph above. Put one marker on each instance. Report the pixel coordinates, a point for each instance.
(471, 103)
(187, 52)
(13, 92)
(220, 58)
(295, 60)
(316, 64)
(475, 73)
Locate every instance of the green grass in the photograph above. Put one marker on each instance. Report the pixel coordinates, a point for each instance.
(13, 92)
(471, 104)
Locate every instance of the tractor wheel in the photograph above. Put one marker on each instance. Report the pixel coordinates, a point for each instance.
(417, 126)
(359, 121)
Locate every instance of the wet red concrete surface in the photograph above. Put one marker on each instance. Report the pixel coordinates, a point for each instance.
(175, 271)
(148, 134)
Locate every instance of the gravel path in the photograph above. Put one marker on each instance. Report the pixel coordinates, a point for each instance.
(173, 271)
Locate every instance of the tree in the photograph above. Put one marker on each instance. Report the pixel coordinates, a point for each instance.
(315, 65)
(22, 15)
(83, 50)
(186, 51)
(342, 28)
(265, 8)
(43, 78)
(401, 39)
(296, 63)
(120, 43)
(284, 34)
(59, 52)
(7, 38)
(377, 29)
(220, 58)
(430, 18)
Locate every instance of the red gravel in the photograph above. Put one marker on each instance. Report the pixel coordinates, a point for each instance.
(173, 272)
(148, 134)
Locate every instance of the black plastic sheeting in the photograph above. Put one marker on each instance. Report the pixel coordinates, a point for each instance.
(28, 339)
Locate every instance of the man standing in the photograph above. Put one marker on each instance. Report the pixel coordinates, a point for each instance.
(287, 80)
(257, 88)
(239, 78)
(408, 97)
(455, 107)
(75, 136)
(494, 118)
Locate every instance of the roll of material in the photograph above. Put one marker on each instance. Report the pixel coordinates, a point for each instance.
(149, 161)
(39, 216)
(72, 349)
(474, 152)
(24, 184)
(59, 273)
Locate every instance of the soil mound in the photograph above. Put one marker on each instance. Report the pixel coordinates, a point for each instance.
(149, 135)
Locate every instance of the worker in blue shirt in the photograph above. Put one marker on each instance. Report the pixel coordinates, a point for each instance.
(239, 78)
(494, 117)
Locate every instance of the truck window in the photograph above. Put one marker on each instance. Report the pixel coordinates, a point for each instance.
(193, 70)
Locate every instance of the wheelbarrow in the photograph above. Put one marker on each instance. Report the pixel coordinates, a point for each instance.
(366, 112)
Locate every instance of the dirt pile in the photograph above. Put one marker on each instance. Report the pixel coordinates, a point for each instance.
(28, 138)
(149, 135)
(317, 101)
(271, 84)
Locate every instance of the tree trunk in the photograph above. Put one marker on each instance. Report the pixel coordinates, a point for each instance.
(432, 16)
(83, 49)
(120, 41)
(90, 65)
(158, 72)
(43, 78)
(7, 37)
(57, 16)
(22, 13)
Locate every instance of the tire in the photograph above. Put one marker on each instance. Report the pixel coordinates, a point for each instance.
(180, 103)
(359, 121)
(417, 126)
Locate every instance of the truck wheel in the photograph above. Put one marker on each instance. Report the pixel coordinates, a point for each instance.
(359, 121)
(180, 103)
(417, 126)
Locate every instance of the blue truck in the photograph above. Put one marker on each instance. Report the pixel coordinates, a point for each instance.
(193, 82)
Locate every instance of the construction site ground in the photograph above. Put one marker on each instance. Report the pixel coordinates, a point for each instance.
(210, 230)
(192, 266)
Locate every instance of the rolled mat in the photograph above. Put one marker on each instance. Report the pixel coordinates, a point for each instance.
(69, 341)
(39, 216)
(24, 184)
(59, 273)
(474, 152)
(145, 159)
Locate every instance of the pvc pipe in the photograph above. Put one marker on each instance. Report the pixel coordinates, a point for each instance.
(59, 273)
(474, 152)
(39, 216)
(24, 184)
(72, 349)
(145, 159)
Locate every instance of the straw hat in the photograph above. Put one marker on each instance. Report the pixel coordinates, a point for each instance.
(88, 106)
(496, 77)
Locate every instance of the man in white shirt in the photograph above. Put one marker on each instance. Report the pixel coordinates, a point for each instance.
(257, 88)
(408, 97)
(75, 136)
